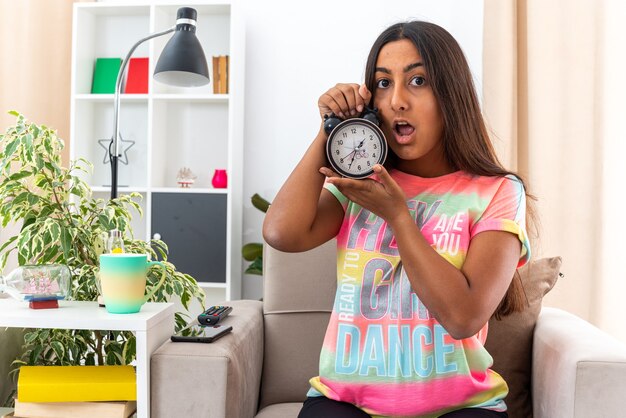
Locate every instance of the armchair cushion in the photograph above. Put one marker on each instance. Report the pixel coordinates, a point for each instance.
(510, 339)
(219, 380)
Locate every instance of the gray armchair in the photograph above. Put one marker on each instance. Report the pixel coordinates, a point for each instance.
(262, 368)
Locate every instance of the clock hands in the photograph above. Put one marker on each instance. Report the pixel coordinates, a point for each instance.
(357, 151)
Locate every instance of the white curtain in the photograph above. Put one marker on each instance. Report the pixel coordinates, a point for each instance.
(36, 51)
(554, 95)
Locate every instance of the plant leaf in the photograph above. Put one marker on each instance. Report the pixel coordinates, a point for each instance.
(256, 267)
(260, 203)
(251, 251)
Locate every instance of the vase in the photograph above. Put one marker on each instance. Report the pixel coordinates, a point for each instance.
(220, 179)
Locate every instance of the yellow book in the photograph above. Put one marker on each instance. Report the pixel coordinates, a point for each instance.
(76, 383)
(75, 409)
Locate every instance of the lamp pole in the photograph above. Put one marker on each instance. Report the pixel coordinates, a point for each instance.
(182, 63)
(114, 153)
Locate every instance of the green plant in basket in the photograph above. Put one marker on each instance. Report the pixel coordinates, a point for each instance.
(63, 223)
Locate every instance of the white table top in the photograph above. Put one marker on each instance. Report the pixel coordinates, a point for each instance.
(81, 315)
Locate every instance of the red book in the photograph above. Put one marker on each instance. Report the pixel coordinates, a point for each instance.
(137, 81)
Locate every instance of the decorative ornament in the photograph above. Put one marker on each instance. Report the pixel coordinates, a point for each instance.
(108, 143)
(185, 177)
(220, 179)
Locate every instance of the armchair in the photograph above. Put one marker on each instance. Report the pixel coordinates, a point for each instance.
(262, 368)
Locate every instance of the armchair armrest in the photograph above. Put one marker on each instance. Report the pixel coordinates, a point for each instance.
(214, 380)
(578, 370)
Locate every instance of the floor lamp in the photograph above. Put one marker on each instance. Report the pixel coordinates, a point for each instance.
(182, 63)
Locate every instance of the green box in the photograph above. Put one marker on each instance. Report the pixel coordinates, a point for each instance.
(105, 75)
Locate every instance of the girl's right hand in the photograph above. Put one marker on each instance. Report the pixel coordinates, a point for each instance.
(344, 100)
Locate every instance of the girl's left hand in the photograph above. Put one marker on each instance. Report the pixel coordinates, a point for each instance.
(382, 196)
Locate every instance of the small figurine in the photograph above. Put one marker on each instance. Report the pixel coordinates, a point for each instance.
(185, 177)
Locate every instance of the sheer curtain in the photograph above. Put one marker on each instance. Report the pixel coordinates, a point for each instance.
(36, 47)
(554, 94)
(36, 51)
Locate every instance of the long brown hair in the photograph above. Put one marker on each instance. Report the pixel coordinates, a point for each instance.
(465, 140)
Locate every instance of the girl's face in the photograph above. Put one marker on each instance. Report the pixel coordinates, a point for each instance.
(411, 117)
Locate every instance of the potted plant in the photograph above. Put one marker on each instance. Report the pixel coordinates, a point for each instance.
(253, 251)
(63, 223)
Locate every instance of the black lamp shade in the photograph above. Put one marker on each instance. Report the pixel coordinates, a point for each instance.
(182, 62)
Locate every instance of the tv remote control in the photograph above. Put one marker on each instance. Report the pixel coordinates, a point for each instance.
(214, 314)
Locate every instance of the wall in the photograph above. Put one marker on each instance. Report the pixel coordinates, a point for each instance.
(295, 51)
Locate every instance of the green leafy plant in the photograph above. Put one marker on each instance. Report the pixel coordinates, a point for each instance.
(254, 251)
(63, 223)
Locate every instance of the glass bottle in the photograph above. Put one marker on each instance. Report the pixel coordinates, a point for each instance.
(40, 282)
(115, 244)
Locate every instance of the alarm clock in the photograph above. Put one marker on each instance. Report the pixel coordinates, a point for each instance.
(354, 146)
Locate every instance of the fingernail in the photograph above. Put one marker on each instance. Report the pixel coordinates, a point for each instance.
(342, 115)
(353, 112)
(359, 108)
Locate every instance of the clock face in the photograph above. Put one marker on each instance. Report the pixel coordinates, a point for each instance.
(354, 147)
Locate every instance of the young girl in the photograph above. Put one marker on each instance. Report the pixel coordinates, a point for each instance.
(427, 247)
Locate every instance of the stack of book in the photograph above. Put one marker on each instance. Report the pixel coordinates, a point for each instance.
(76, 391)
(220, 74)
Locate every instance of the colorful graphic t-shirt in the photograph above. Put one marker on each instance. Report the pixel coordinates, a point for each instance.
(383, 351)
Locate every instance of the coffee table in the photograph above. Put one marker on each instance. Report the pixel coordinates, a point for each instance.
(152, 326)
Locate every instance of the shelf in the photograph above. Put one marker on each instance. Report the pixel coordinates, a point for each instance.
(172, 128)
(174, 97)
(130, 189)
(104, 9)
(209, 285)
(120, 189)
(111, 97)
(202, 98)
(188, 190)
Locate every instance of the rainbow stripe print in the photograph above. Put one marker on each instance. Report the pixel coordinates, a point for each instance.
(383, 351)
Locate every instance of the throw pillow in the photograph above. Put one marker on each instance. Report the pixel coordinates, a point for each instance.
(510, 340)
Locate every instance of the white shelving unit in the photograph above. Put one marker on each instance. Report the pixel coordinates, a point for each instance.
(172, 128)
(152, 326)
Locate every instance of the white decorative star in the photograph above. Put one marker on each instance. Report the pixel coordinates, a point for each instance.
(108, 143)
